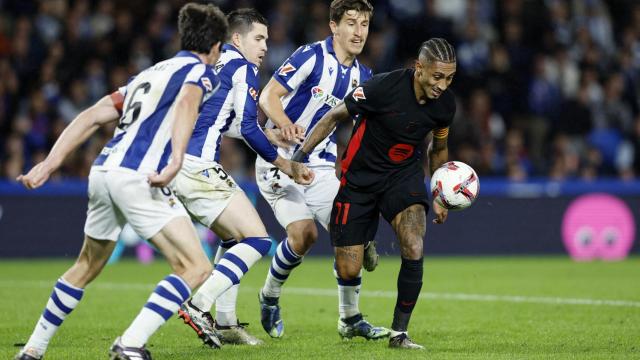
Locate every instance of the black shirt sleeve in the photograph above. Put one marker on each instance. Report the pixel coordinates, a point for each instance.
(366, 98)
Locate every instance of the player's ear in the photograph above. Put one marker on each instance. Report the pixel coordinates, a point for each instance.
(419, 67)
(333, 26)
(235, 39)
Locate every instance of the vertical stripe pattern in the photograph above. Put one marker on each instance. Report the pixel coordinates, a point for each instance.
(317, 82)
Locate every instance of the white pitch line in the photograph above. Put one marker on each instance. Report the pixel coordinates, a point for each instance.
(365, 293)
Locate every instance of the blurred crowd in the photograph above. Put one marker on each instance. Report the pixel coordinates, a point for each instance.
(544, 88)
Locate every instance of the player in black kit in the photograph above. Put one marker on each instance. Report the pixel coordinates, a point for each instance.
(382, 171)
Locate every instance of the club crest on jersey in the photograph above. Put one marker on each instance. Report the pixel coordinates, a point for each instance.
(207, 84)
(319, 94)
(354, 83)
(286, 69)
(254, 93)
(358, 94)
(400, 152)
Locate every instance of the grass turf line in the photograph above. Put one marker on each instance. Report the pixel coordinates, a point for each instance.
(450, 328)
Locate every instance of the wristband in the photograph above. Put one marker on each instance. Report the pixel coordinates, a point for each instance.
(299, 156)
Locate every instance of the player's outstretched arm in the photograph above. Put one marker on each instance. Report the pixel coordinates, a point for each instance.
(438, 153)
(272, 106)
(323, 128)
(78, 131)
(184, 116)
(303, 175)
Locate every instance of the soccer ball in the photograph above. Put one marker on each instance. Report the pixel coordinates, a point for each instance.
(455, 185)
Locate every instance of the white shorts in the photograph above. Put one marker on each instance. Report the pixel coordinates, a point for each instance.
(205, 189)
(293, 202)
(117, 197)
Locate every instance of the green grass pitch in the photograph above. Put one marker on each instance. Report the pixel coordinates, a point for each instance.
(470, 308)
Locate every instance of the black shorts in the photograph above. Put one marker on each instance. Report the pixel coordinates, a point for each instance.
(355, 214)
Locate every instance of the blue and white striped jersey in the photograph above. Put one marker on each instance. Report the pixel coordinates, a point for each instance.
(316, 82)
(232, 110)
(141, 141)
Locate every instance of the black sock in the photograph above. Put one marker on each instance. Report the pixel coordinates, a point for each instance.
(354, 319)
(409, 285)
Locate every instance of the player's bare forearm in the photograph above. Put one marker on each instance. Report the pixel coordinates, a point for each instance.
(438, 153)
(272, 106)
(80, 129)
(276, 137)
(325, 126)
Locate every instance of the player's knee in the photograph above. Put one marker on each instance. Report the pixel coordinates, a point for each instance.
(255, 229)
(194, 275)
(309, 236)
(303, 236)
(347, 271)
(203, 272)
(412, 249)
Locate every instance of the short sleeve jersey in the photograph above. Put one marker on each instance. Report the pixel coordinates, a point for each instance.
(391, 128)
(141, 142)
(316, 82)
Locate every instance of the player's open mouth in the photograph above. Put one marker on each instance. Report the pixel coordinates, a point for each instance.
(436, 93)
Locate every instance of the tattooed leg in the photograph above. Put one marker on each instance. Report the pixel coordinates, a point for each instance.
(410, 226)
(349, 261)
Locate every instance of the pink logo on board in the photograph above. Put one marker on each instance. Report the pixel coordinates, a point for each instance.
(598, 226)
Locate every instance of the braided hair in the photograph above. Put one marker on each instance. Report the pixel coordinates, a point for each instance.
(437, 49)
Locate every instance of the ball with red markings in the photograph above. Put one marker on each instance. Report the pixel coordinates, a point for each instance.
(455, 185)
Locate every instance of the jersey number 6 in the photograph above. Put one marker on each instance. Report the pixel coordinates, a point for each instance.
(133, 108)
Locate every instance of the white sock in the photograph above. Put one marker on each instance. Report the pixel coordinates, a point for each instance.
(165, 300)
(231, 268)
(348, 295)
(226, 307)
(283, 262)
(226, 302)
(63, 299)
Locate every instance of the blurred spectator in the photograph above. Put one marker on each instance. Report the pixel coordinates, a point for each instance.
(547, 88)
(280, 47)
(75, 100)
